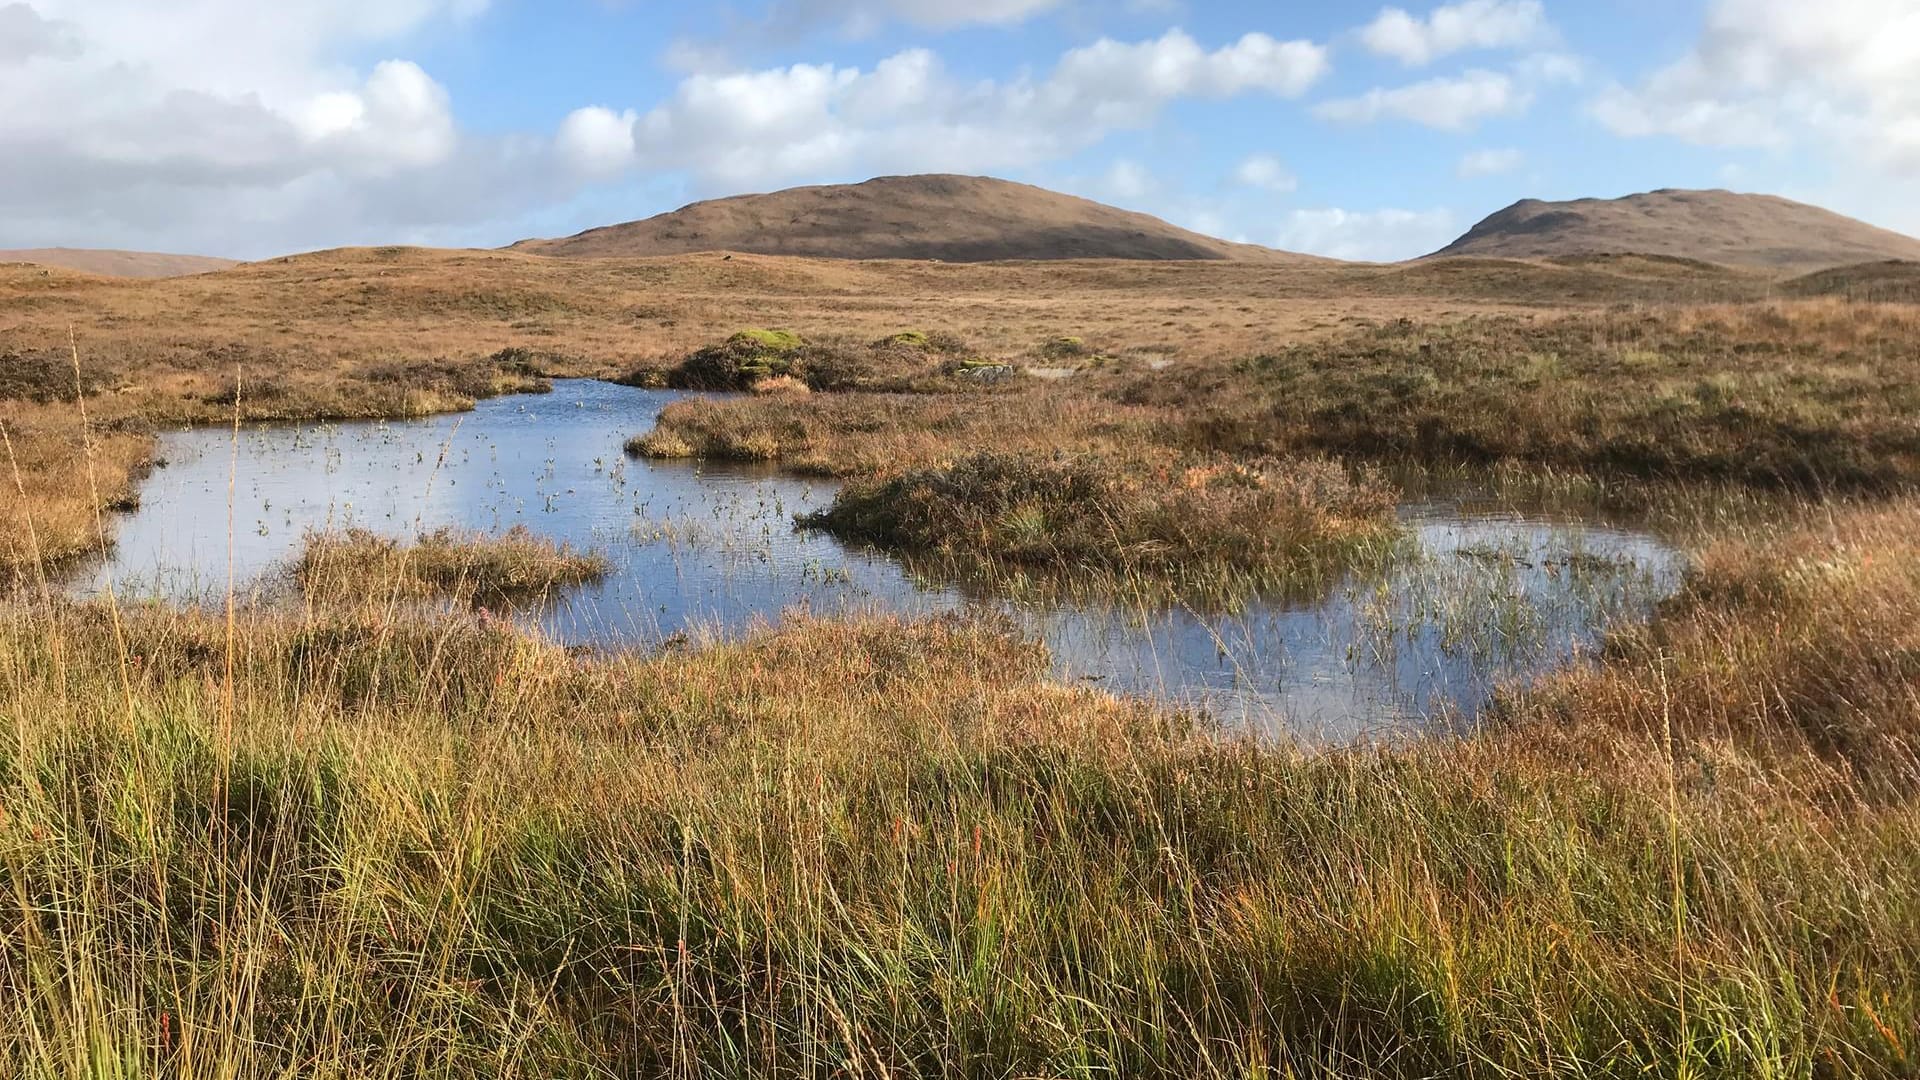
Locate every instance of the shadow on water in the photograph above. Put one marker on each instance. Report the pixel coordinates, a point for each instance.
(1478, 598)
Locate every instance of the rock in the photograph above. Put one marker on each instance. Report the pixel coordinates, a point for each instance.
(986, 373)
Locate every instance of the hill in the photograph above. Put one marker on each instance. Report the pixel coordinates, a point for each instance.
(1760, 231)
(131, 264)
(949, 218)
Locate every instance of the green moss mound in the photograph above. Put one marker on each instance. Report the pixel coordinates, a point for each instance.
(771, 341)
(745, 358)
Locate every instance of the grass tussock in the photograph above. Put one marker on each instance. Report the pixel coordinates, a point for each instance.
(751, 359)
(439, 846)
(360, 565)
(51, 469)
(1219, 526)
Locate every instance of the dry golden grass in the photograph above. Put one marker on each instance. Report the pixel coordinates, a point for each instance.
(865, 434)
(1798, 646)
(328, 313)
(357, 567)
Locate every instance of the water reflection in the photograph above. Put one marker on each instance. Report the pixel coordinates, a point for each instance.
(706, 549)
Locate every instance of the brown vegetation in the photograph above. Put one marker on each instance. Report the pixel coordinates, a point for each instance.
(1815, 396)
(343, 841)
(948, 218)
(864, 434)
(1210, 529)
(1798, 647)
(749, 359)
(361, 566)
(131, 264)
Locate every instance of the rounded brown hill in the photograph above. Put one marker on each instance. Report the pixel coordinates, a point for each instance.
(951, 218)
(1761, 231)
(131, 264)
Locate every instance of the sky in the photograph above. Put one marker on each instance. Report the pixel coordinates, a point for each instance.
(250, 128)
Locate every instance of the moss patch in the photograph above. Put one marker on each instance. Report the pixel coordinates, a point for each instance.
(737, 363)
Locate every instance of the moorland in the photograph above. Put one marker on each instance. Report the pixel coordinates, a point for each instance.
(358, 839)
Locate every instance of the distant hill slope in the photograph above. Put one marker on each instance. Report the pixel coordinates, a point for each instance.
(1892, 281)
(133, 264)
(1761, 231)
(950, 218)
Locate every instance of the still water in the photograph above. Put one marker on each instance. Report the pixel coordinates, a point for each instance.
(706, 549)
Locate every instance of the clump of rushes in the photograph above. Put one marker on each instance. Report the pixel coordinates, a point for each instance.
(359, 564)
(1214, 527)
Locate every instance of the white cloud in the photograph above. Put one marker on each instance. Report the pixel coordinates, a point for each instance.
(1266, 173)
(1128, 180)
(1469, 25)
(231, 126)
(24, 35)
(1489, 163)
(1550, 68)
(235, 127)
(399, 118)
(1117, 80)
(861, 18)
(1772, 73)
(948, 13)
(909, 114)
(1449, 104)
(1369, 235)
(596, 141)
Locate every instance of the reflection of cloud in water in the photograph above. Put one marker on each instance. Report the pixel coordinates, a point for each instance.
(713, 548)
